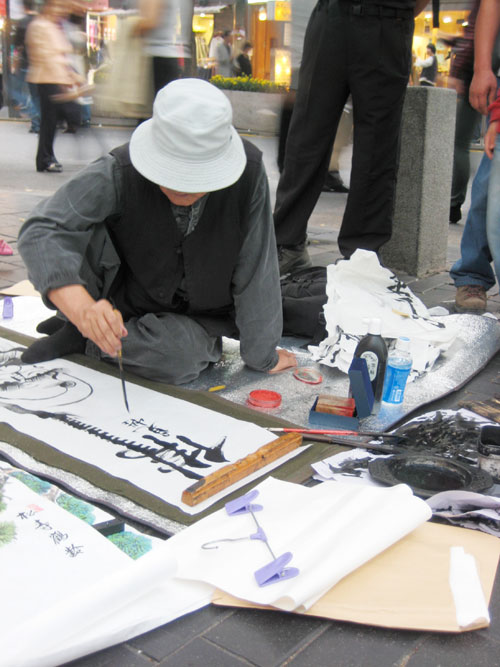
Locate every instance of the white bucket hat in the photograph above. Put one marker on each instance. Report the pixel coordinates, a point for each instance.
(189, 145)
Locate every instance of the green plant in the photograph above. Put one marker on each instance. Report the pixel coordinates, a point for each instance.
(248, 84)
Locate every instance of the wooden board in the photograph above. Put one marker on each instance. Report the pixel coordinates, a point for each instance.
(489, 409)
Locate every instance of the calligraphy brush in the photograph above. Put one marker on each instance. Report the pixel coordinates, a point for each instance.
(355, 442)
(326, 431)
(120, 366)
(124, 389)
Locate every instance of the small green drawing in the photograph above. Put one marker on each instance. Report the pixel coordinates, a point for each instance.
(133, 544)
(34, 483)
(78, 508)
(7, 533)
(7, 528)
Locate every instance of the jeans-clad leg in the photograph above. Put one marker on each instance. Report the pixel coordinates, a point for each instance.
(493, 210)
(474, 265)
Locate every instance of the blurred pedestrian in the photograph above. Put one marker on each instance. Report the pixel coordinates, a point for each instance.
(242, 62)
(166, 27)
(50, 69)
(74, 26)
(223, 55)
(362, 49)
(32, 101)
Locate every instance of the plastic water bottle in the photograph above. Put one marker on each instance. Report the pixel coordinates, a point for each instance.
(373, 350)
(399, 364)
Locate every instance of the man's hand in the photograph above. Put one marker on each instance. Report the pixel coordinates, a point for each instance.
(104, 325)
(96, 320)
(483, 90)
(286, 360)
(490, 139)
(484, 83)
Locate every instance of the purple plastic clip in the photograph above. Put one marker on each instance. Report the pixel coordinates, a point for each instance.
(276, 571)
(243, 505)
(259, 535)
(8, 308)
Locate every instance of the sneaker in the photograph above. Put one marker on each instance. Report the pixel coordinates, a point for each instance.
(293, 259)
(470, 297)
(5, 248)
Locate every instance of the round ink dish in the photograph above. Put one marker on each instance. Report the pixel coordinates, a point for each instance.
(308, 375)
(263, 398)
(427, 475)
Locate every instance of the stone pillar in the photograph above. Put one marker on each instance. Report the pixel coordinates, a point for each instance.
(422, 204)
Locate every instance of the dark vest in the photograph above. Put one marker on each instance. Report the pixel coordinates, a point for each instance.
(430, 73)
(155, 256)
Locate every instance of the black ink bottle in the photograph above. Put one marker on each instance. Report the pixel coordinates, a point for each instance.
(373, 350)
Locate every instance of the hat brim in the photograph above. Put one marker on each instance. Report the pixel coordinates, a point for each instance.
(186, 175)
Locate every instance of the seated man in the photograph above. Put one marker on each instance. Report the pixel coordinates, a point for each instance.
(165, 245)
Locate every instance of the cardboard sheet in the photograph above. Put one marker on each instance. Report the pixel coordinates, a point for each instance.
(22, 288)
(406, 587)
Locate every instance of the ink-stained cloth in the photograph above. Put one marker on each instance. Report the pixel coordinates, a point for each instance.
(360, 289)
(330, 530)
(61, 230)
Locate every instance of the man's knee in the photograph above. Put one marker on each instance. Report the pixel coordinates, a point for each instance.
(169, 348)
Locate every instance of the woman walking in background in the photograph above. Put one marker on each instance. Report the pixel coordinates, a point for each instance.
(49, 68)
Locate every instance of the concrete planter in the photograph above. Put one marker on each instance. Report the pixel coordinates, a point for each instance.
(255, 112)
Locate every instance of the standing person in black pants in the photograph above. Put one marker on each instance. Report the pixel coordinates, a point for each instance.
(362, 48)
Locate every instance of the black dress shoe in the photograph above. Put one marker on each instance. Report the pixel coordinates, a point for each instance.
(333, 183)
(455, 214)
(53, 167)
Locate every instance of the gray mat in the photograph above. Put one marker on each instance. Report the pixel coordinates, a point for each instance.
(477, 343)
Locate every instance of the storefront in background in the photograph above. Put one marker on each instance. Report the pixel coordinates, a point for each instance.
(451, 23)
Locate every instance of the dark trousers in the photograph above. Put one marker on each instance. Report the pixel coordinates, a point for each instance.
(465, 124)
(50, 114)
(368, 56)
(166, 70)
